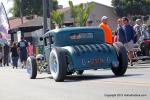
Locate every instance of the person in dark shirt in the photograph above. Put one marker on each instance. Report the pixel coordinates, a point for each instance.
(14, 55)
(120, 31)
(129, 38)
(1, 55)
(6, 54)
(22, 49)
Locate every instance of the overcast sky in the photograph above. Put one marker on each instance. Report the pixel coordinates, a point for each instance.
(8, 3)
(65, 2)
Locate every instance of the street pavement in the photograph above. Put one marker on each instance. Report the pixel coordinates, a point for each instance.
(93, 85)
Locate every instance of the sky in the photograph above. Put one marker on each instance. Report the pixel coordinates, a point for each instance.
(65, 2)
(8, 3)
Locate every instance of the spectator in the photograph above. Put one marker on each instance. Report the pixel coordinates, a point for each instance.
(144, 33)
(1, 54)
(6, 54)
(115, 39)
(30, 49)
(89, 22)
(138, 28)
(149, 29)
(14, 55)
(129, 37)
(106, 29)
(22, 49)
(1, 50)
(120, 31)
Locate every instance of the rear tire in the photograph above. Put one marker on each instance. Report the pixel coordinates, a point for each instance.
(122, 58)
(58, 64)
(32, 67)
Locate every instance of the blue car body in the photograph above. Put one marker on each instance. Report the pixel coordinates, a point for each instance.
(85, 47)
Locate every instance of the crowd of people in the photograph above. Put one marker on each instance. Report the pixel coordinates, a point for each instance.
(15, 53)
(126, 33)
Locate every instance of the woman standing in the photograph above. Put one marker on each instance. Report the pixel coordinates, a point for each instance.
(14, 55)
(30, 49)
(6, 54)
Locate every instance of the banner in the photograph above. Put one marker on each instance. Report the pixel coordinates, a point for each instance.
(4, 25)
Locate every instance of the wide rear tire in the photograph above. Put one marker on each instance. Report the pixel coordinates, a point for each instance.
(122, 58)
(58, 64)
(31, 67)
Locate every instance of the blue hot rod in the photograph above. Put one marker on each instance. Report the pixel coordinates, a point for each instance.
(75, 49)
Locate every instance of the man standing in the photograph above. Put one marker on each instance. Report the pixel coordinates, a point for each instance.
(106, 29)
(138, 28)
(22, 49)
(129, 37)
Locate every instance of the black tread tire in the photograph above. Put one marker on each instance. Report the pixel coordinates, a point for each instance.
(60, 75)
(122, 58)
(79, 72)
(32, 60)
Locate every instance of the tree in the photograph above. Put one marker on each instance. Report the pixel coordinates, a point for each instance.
(80, 13)
(55, 4)
(74, 12)
(57, 17)
(131, 7)
(84, 10)
(30, 7)
(27, 7)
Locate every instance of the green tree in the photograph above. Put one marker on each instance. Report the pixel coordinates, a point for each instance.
(57, 17)
(80, 13)
(73, 12)
(30, 7)
(84, 10)
(55, 4)
(131, 7)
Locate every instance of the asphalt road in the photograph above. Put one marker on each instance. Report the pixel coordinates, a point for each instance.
(93, 85)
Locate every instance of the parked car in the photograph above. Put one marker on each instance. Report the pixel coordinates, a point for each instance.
(75, 49)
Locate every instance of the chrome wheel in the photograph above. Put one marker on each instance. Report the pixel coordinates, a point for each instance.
(29, 66)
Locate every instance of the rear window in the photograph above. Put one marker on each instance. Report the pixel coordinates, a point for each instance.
(77, 36)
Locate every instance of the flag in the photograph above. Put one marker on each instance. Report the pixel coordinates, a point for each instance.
(4, 25)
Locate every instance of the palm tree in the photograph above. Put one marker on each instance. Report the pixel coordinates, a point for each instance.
(57, 18)
(74, 12)
(80, 13)
(84, 10)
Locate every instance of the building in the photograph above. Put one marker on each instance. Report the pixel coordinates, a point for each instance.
(98, 11)
(30, 29)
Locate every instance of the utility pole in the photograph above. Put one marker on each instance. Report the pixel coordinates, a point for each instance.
(44, 16)
(49, 11)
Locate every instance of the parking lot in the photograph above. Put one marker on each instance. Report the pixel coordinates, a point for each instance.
(93, 85)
